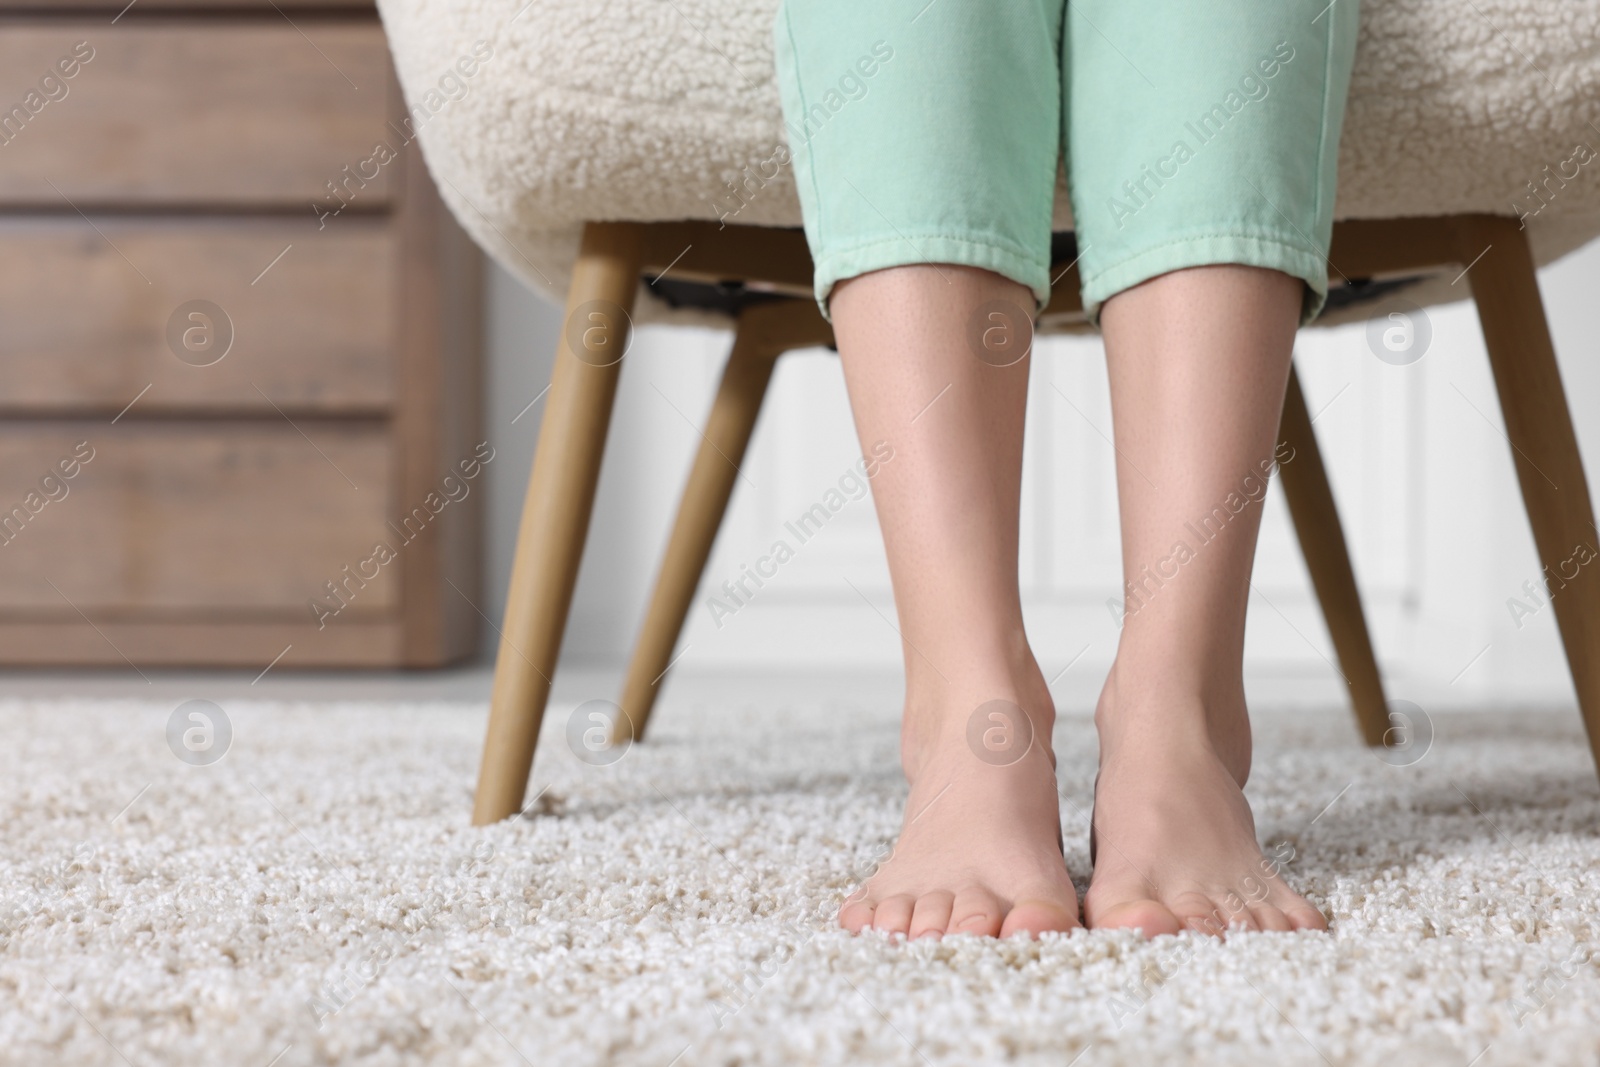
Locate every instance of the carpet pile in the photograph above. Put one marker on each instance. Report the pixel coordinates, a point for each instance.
(316, 895)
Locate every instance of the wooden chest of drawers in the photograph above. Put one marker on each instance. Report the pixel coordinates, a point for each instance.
(237, 426)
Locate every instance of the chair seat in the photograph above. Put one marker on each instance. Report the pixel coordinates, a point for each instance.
(643, 110)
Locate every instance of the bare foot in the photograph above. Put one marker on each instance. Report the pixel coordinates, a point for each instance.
(980, 848)
(1176, 842)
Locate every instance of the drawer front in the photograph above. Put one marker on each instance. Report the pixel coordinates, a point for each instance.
(194, 113)
(197, 314)
(191, 518)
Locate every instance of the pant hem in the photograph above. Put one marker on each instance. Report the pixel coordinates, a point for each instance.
(1001, 257)
(1255, 250)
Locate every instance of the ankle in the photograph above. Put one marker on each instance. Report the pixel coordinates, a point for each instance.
(939, 708)
(1147, 713)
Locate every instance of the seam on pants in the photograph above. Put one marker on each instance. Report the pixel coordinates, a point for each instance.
(1322, 133)
(800, 91)
(999, 244)
(1270, 238)
(1002, 257)
(1129, 266)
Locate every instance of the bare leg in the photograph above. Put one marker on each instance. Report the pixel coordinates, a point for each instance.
(1199, 360)
(979, 851)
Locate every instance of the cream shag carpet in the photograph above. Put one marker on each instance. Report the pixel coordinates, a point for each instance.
(318, 897)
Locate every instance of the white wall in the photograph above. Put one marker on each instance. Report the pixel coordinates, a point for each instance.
(1420, 468)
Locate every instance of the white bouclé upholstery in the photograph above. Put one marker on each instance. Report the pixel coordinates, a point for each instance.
(649, 109)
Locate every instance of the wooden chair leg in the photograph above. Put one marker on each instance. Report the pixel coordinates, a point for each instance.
(1316, 522)
(555, 513)
(765, 331)
(1543, 444)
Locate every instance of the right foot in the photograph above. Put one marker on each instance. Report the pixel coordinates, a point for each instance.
(1177, 847)
(980, 848)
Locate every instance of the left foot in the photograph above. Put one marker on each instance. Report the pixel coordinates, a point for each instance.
(1176, 841)
(980, 849)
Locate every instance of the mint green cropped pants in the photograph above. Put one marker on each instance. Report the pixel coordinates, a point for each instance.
(1194, 132)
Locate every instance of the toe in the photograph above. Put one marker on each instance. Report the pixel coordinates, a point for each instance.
(1036, 916)
(856, 915)
(932, 914)
(1303, 916)
(1235, 913)
(1197, 912)
(1150, 917)
(893, 914)
(1270, 918)
(975, 911)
